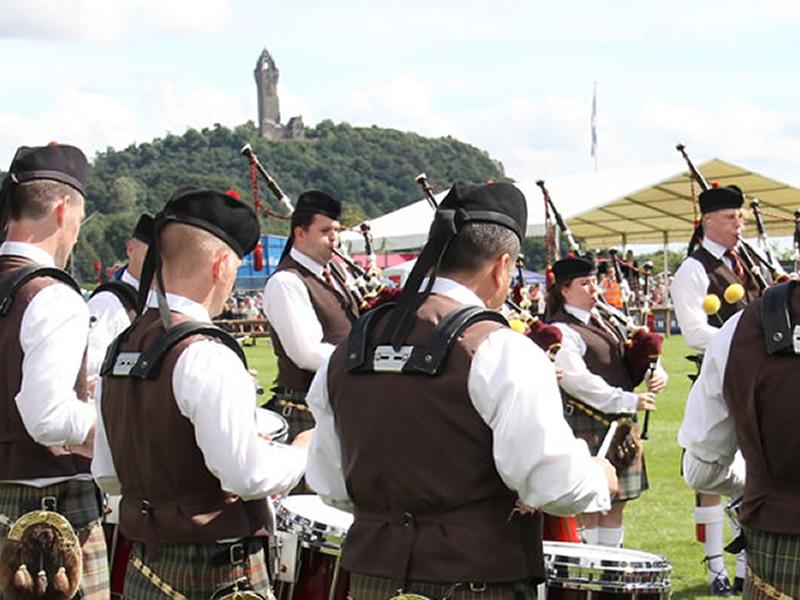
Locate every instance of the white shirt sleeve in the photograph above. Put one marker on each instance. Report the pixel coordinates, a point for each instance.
(708, 431)
(53, 337)
(288, 308)
(688, 289)
(103, 469)
(535, 451)
(216, 393)
(579, 382)
(324, 472)
(107, 319)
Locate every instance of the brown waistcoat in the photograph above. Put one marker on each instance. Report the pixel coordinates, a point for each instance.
(335, 313)
(158, 463)
(719, 278)
(418, 463)
(761, 393)
(20, 456)
(605, 354)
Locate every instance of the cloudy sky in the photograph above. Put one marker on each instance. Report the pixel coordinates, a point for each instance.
(514, 77)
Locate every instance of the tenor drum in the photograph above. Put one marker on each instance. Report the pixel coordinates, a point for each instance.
(584, 571)
(310, 569)
(270, 423)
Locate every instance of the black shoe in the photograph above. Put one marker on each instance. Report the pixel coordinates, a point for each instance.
(721, 586)
(738, 585)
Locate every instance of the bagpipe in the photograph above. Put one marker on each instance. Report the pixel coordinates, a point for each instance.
(366, 287)
(642, 348)
(752, 258)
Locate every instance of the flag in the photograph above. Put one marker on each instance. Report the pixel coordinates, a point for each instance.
(594, 126)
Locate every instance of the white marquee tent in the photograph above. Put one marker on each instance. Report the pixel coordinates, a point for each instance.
(407, 228)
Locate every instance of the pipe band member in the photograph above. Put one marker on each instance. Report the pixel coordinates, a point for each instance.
(308, 303)
(597, 387)
(438, 424)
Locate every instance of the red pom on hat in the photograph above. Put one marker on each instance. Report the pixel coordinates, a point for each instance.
(234, 194)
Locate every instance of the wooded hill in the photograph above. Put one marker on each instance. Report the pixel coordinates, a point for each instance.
(370, 169)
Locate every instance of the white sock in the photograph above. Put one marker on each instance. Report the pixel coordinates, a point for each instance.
(611, 536)
(741, 564)
(591, 535)
(711, 517)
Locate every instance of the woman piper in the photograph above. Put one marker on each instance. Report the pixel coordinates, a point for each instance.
(597, 388)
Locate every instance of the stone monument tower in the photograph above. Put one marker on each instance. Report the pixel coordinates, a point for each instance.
(269, 113)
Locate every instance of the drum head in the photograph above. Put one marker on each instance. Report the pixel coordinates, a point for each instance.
(316, 523)
(270, 423)
(588, 567)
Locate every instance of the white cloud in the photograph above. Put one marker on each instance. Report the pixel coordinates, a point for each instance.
(110, 21)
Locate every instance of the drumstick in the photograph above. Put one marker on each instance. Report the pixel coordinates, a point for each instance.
(612, 429)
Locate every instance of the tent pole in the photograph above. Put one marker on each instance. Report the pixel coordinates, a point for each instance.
(666, 256)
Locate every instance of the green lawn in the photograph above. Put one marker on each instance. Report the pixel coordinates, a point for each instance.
(661, 520)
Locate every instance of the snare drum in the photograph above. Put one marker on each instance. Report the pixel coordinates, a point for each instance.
(270, 423)
(313, 572)
(578, 571)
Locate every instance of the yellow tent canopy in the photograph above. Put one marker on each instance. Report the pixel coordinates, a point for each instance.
(663, 213)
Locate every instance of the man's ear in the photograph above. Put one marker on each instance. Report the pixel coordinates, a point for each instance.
(60, 209)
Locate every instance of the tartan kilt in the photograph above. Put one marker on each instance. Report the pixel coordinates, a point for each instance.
(188, 569)
(775, 558)
(368, 587)
(299, 419)
(632, 480)
(79, 502)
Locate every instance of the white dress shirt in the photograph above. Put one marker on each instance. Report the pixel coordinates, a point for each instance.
(288, 308)
(52, 336)
(578, 381)
(216, 393)
(712, 462)
(512, 385)
(689, 288)
(107, 319)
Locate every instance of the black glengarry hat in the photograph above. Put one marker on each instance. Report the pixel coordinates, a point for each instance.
(718, 198)
(229, 219)
(57, 162)
(312, 202)
(315, 202)
(570, 268)
(496, 203)
(144, 229)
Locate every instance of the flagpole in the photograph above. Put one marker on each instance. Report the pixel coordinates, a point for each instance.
(594, 125)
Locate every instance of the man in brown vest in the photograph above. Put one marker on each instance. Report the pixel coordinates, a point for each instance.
(112, 306)
(308, 303)
(178, 436)
(712, 267)
(46, 424)
(438, 423)
(596, 385)
(743, 410)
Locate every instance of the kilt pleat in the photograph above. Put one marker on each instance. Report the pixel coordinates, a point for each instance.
(188, 569)
(774, 558)
(632, 480)
(368, 587)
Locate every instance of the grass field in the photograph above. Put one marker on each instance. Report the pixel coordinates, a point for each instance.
(661, 520)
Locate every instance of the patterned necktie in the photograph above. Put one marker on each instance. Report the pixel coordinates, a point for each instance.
(738, 265)
(326, 274)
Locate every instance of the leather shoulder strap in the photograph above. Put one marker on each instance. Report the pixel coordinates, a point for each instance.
(777, 319)
(124, 292)
(11, 284)
(148, 363)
